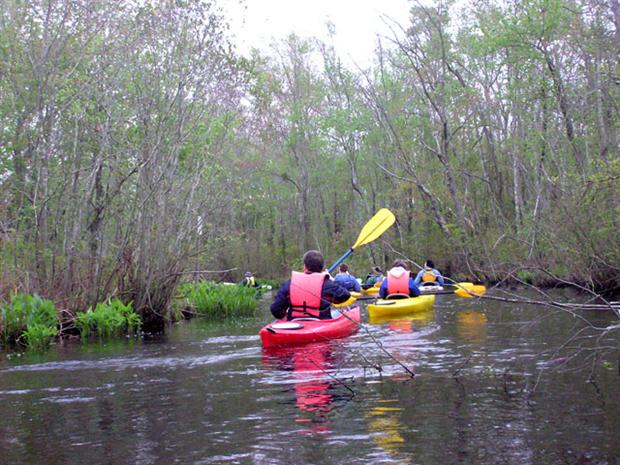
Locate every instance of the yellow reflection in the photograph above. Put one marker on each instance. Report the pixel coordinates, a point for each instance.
(386, 429)
(405, 324)
(472, 326)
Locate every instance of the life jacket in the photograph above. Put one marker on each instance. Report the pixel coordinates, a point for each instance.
(398, 281)
(429, 277)
(305, 294)
(249, 281)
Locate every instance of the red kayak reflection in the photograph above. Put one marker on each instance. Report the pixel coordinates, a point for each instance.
(309, 365)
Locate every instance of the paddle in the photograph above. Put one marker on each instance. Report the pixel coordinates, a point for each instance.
(467, 290)
(464, 290)
(376, 226)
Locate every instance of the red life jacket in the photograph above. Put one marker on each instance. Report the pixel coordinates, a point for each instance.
(398, 281)
(305, 294)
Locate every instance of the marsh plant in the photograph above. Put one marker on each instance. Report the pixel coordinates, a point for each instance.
(112, 318)
(219, 301)
(28, 320)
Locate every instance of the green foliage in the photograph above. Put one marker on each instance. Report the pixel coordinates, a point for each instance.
(526, 276)
(274, 283)
(29, 320)
(39, 336)
(220, 301)
(109, 319)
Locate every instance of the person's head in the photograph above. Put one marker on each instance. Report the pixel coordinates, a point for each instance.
(344, 268)
(248, 274)
(376, 270)
(401, 263)
(313, 261)
(429, 264)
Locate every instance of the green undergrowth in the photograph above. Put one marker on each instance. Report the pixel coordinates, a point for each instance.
(274, 283)
(28, 320)
(219, 301)
(112, 318)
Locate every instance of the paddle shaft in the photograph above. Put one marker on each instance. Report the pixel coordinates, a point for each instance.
(340, 260)
(444, 292)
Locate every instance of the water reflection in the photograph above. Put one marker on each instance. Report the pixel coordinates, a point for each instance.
(405, 324)
(386, 429)
(313, 383)
(471, 326)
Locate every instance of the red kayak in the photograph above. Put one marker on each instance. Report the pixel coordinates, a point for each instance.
(305, 330)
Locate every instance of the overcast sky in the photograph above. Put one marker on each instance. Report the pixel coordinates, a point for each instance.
(357, 22)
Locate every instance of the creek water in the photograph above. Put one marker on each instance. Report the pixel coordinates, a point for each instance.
(207, 393)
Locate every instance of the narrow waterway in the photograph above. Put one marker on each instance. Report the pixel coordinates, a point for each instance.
(207, 393)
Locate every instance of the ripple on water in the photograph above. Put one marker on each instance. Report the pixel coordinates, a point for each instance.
(131, 363)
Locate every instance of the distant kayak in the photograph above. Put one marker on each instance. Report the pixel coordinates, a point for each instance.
(305, 330)
(392, 307)
(370, 291)
(428, 289)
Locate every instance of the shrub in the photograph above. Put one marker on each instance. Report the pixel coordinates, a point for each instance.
(216, 301)
(29, 320)
(108, 319)
(274, 283)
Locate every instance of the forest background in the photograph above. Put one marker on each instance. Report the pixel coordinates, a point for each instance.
(137, 146)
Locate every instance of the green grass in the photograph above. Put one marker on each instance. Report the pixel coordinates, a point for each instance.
(109, 319)
(274, 283)
(217, 301)
(28, 320)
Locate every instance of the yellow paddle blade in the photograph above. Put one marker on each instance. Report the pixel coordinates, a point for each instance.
(467, 290)
(376, 226)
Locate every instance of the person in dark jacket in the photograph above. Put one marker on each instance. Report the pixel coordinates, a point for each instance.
(398, 281)
(347, 280)
(248, 280)
(374, 278)
(308, 294)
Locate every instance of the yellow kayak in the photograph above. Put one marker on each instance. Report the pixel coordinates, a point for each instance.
(371, 291)
(352, 299)
(391, 307)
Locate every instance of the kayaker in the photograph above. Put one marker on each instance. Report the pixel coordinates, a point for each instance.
(398, 281)
(308, 294)
(429, 275)
(374, 277)
(248, 280)
(347, 280)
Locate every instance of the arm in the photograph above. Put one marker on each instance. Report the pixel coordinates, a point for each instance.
(281, 303)
(383, 289)
(334, 292)
(357, 287)
(413, 289)
(418, 277)
(439, 278)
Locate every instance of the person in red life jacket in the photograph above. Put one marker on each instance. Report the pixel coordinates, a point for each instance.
(398, 281)
(308, 294)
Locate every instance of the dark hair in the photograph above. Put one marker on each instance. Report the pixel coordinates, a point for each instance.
(376, 269)
(313, 260)
(401, 263)
(344, 267)
(429, 263)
